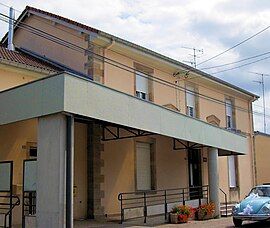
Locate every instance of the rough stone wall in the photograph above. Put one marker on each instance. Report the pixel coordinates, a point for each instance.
(95, 172)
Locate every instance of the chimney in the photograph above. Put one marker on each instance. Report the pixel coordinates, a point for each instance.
(11, 29)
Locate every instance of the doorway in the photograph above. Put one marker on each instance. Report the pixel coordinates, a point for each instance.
(195, 173)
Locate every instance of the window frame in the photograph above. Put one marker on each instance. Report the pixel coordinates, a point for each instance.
(143, 69)
(196, 100)
(233, 119)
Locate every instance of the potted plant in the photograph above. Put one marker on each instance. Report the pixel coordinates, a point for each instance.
(185, 212)
(174, 215)
(180, 214)
(205, 211)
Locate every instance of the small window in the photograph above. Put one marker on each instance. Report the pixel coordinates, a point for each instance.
(32, 152)
(191, 101)
(229, 114)
(142, 87)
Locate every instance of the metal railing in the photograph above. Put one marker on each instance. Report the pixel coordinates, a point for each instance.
(144, 199)
(226, 202)
(7, 204)
(29, 204)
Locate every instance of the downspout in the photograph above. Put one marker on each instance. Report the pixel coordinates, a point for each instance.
(252, 138)
(11, 29)
(109, 45)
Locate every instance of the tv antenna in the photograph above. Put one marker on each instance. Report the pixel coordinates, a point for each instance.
(261, 82)
(194, 55)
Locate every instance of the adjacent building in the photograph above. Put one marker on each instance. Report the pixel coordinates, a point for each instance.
(101, 120)
(261, 147)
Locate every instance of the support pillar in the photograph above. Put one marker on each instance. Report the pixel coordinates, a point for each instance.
(54, 182)
(213, 179)
(95, 172)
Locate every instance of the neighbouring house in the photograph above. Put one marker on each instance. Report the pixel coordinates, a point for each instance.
(261, 147)
(117, 131)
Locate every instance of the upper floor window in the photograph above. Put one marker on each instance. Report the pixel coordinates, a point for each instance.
(191, 101)
(229, 113)
(142, 86)
(143, 83)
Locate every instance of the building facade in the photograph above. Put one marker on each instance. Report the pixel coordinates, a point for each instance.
(261, 143)
(118, 118)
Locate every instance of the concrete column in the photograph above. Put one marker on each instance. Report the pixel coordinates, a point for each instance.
(51, 171)
(213, 179)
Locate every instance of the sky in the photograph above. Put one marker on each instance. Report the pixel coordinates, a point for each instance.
(167, 26)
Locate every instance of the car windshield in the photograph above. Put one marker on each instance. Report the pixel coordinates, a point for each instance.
(260, 191)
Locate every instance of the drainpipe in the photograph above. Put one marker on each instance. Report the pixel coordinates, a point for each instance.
(11, 29)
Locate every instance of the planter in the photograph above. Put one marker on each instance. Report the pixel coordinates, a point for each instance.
(174, 218)
(201, 216)
(182, 218)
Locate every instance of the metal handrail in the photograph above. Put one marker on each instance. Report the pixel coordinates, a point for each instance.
(226, 201)
(13, 205)
(143, 199)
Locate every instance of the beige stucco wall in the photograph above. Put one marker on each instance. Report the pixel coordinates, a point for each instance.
(119, 168)
(13, 143)
(11, 76)
(262, 145)
(80, 171)
(68, 56)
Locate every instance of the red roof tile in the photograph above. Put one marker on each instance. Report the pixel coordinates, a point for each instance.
(62, 19)
(27, 60)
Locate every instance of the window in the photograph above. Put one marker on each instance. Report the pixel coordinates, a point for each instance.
(32, 152)
(232, 165)
(191, 101)
(142, 87)
(229, 114)
(144, 167)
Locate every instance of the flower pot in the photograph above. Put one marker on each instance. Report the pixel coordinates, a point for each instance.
(182, 218)
(174, 218)
(201, 216)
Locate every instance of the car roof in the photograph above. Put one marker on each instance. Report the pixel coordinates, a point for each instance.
(263, 185)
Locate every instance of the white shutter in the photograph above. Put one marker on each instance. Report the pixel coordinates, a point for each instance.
(191, 103)
(232, 171)
(143, 166)
(141, 83)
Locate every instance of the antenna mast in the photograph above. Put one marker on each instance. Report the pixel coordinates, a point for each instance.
(194, 55)
(261, 82)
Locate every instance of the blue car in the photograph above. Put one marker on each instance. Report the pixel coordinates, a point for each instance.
(255, 207)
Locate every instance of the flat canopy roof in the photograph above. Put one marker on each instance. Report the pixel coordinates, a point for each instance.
(73, 94)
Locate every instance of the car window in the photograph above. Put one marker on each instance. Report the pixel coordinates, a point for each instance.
(261, 191)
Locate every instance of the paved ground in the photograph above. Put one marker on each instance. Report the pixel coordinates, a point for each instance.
(157, 222)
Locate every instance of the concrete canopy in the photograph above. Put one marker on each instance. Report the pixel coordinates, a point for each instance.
(80, 96)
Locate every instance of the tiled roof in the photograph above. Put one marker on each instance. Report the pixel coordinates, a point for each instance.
(62, 19)
(16, 57)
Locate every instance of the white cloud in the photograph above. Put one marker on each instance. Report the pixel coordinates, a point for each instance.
(166, 26)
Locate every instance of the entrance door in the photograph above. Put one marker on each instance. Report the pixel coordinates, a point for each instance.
(195, 173)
